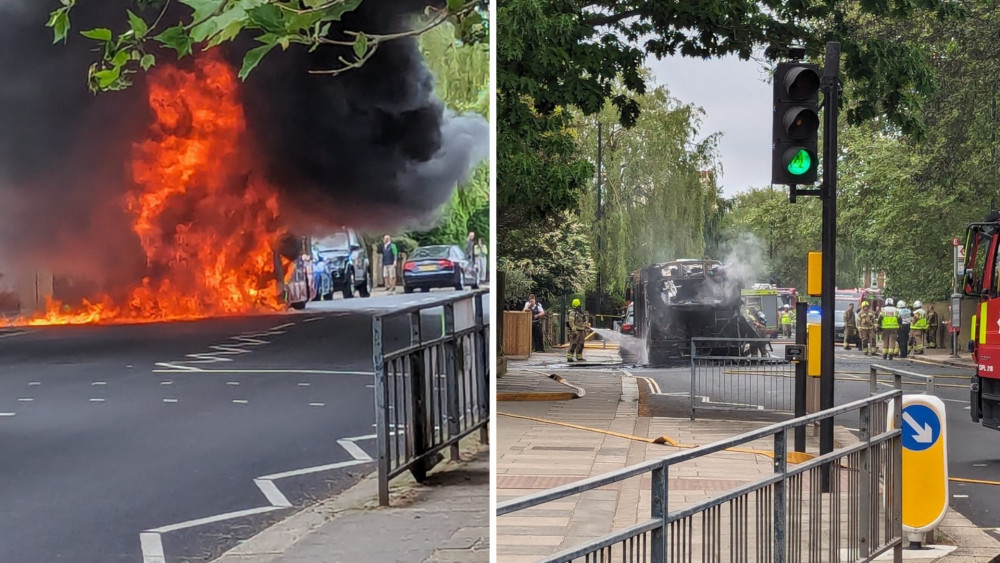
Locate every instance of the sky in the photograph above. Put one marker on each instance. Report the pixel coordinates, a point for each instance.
(737, 101)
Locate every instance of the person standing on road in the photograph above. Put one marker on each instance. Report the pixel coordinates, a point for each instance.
(932, 327)
(579, 322)
(481, 263)
(866, 326)
(904, 328)
(786, 321)
(389, 255)
(850, 326)
(918, 325)
(537, 314)
(888, 318)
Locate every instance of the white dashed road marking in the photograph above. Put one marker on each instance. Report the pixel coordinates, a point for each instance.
(232, 383)
(25, 399)
(96, 400)
(33, 383)
(7, 413)
(303, 384)
(169, 400)
(241, 401)
(99, 383)
(317, 404)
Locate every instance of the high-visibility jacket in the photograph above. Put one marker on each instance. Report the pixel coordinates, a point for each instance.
(919, 320)
(786, 318)
(889, 318)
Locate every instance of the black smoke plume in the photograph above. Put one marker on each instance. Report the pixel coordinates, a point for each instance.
(371, 148)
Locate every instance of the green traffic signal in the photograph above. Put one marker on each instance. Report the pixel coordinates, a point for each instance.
(800, 163)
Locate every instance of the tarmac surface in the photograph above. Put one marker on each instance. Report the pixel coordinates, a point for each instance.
(586, 421)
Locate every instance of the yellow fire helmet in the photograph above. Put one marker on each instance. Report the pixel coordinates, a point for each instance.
(576, 302)
(864, 303)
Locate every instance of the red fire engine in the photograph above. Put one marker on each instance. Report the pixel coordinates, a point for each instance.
(982, 281)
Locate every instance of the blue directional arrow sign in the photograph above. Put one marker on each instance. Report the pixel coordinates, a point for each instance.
(921, 427)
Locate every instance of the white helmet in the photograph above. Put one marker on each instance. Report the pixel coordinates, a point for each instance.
(901, 304)
(888, 302)
(918, 304)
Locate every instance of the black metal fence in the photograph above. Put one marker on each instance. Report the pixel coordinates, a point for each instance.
(740, 374)
(433, 390)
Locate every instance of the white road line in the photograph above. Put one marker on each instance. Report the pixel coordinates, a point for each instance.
(317, 469)
(99, 383)
(216, 518)
(286, 325)
(309, 320)
(152, 548)
(317, 404)
(96, 400)
(25, 399)
(312, 371)
(978, 465)
(167, 382)
(232, 383)
(304, 384)
(241, 401)
(270, 490)
(11, 334)
(169, 400)
(960, 496)
(7, 413)
(31, 383)
(354, 450)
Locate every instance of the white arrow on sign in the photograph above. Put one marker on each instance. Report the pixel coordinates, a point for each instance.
(925, 435)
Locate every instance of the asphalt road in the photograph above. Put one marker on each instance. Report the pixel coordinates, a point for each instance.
(110, 432)
(973, 452)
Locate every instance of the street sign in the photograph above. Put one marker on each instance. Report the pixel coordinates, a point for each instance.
(959, 260)
(955, 241)
(925, 462)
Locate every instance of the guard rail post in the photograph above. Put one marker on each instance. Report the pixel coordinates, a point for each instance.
(451, 353)
(381, 412)
(418, 439)
(482, 356)
(660, 492)
(864, 514)
(780, 500)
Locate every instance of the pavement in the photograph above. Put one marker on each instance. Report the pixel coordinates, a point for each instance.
(548, 439)
(443, 520)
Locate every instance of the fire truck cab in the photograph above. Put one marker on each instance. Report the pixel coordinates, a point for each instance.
(981, 280)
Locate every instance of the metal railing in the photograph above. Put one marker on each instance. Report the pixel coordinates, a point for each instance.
(926, 381)
(739, 373)
(842, 506)
(430, 392)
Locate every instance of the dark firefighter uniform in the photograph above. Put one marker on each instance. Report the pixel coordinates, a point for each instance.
(579, 323)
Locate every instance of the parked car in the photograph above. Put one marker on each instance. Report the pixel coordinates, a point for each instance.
(346, 263)
(439, 266)
(839, 327)
(628, 323)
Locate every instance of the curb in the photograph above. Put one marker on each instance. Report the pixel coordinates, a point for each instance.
(274, 541)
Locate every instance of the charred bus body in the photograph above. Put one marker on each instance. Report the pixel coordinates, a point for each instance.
(680, 300)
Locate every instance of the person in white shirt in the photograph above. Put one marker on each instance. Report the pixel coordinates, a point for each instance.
(537, 314)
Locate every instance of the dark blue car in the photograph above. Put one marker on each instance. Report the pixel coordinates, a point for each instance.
(439, 266)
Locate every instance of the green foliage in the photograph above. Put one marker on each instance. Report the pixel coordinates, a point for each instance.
(517, 286)
(211, 23)
(658, 187)
(554, 55)
(555, 254)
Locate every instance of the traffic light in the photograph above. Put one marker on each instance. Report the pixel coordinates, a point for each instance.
(794, 157)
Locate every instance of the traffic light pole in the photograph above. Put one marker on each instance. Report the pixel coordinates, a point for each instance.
(830, 86)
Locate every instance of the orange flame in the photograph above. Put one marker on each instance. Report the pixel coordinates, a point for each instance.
(205, 224)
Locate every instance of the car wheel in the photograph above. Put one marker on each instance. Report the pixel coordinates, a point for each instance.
(365, 289)
(349, 287)
(298, 306)
(460, 281)
(407, 289)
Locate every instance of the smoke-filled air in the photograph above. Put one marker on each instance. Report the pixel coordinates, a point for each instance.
(168, 200)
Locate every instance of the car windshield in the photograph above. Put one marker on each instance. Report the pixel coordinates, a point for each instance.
(838, 317)
(336, 241)
(430, 252)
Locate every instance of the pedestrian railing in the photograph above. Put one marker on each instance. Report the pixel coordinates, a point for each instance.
(432, 389)
(740, 374)
(841, 506)
(907, 378)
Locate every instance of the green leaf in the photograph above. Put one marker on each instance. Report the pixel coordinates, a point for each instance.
(176, 38)
(120, 58)
(252, 59)
(361, 45)
(455, 5)
(99, 33)
(268, 18)
(203, 8)
(59, 22)
(138, 25)
(336, 11)
(147, 61)
(106, 78)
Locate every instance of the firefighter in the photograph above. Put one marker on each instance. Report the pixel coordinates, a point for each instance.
(918, 324)
(850, 326)
(932, 327)
(866, 326)
(786, 321)
(579, 323)
(888, 319)
(905, 316)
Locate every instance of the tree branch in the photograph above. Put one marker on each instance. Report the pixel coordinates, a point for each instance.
(613, 18)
